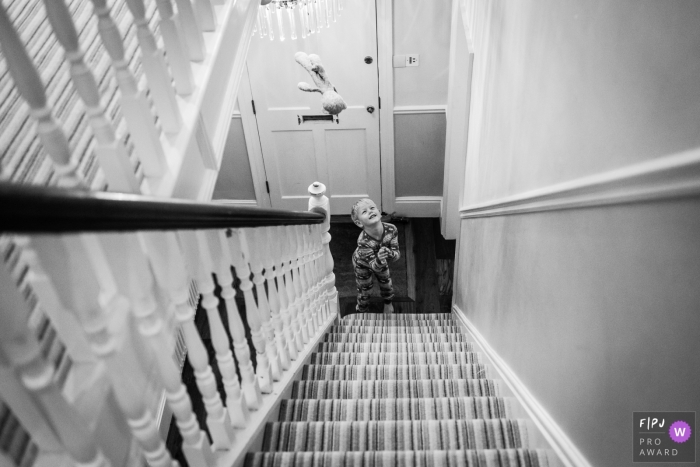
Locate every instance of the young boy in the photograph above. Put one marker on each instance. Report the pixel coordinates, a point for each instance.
(376, 246)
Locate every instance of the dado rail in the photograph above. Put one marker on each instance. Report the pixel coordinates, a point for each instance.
(102, 281)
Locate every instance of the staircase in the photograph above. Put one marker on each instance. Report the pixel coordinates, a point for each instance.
(399, 390)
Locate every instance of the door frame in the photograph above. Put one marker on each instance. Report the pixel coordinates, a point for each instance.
(385, 66)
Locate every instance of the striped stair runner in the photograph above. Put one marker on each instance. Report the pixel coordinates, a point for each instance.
(397, 390)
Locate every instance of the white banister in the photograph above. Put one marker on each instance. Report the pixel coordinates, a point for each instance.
(110, 151)
(256, 244)
(251, 389)
(19, 348)
(237, 245)
(175, 47)
(205, 14)
(171, 274)
(137, 112)
(191, 29)
(266, 239)
(153, 62)
(31, 88)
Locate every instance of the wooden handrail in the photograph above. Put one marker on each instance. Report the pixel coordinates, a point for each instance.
(32, 209)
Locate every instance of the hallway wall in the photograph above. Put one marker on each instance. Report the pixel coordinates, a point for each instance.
(578, 257)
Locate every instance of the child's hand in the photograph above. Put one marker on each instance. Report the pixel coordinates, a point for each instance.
(383, 254)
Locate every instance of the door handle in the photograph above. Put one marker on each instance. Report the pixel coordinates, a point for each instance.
(370, 109)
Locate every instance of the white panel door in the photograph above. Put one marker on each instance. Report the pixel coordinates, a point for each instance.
(344, 155)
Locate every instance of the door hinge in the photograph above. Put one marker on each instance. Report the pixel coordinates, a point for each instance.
(380, 103)
(253, 103)
(267, 185)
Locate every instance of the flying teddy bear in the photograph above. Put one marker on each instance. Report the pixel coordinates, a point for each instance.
(332, 102)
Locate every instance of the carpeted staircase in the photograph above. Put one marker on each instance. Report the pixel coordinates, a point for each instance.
(398, 390)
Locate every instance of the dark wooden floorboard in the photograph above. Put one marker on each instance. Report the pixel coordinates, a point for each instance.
(427, 297)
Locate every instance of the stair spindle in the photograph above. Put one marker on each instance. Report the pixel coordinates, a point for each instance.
(252, 396)
(111, 152)
(108, 328)
(288, 289)
(306, 284)
(266, 240)
(191, 29)
(30, 87)
(284, 311)
(153, 61)
(237, 245)
(255, 240)
(126, 258)
(205, 14)
(312, 273)
(20, 349)
(299, 291)
(175, 47)
(137, 112)
(170, 270)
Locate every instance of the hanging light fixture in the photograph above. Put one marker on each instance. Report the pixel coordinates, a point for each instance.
(313, 15)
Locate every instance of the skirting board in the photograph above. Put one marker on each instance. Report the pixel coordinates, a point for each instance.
(237, 202)
(418, 206)
(563, 446)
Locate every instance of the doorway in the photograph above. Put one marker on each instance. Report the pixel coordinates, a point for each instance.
(344, 153)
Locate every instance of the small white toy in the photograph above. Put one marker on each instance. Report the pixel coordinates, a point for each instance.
(332, 102)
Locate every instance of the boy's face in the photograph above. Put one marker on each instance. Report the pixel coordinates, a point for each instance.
(367, 214)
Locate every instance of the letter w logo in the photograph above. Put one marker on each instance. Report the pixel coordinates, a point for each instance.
(679, 431)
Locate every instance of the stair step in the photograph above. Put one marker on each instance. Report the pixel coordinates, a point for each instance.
(378, 322)
(461, 458)
(400, 317)
(417, 358)
(422, 329)
(380, 338)
(443, 408)
(397, 347)
(395, 389)
(392, 372)
(396, 435)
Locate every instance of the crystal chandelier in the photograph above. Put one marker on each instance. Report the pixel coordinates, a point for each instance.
(312, 16)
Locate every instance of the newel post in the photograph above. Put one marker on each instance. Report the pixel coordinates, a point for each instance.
(318, 202)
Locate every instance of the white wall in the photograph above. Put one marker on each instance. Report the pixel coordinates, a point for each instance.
(420, 97)
(235, 181)
(595, 308)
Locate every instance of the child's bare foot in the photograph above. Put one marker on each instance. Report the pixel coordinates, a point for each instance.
(388, 308)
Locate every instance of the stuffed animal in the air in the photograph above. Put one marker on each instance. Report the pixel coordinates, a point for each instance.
(332, 102)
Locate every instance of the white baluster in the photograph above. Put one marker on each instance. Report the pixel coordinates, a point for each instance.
(237, 244)
(286, 289)
(305, 284)
(302, 310)
(135, 280)
(255, 240)
(191, 30)
(29, 84)
(268, 239)
(320, 271)
(313, 280)
(319, 202)
(19, 348)
(284, 311)
(153, 61)
(201, 255)
(137, 112)
(175, 47)
(251, 389)
(205, 14)
(111, 152)
(170, 271)
(107, 325)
